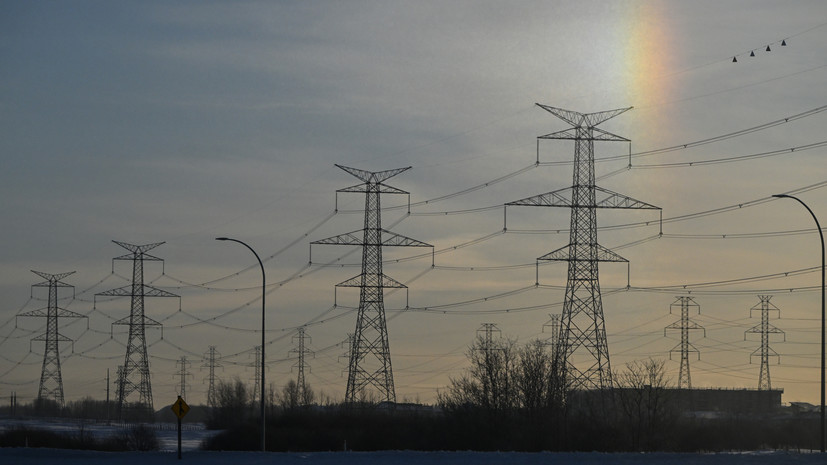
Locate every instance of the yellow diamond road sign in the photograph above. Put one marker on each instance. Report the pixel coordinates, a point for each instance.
(180, 407)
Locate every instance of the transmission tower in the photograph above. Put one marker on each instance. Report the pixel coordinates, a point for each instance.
(211, 362)
(301, 351)
(765, 329)
(182, 374)
(51, 380)
(552, 326)
(135, 389)
(370, 360)
(486, 334)
(257, 375)
(684, 347)
(347, 345)
(583, 349)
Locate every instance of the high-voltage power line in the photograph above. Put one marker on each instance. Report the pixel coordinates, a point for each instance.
(182, 374)
(51, 380)
(685, 324)
(301, 351)
(370, 359)
(764, 329)
(134, 386)
(583, 349)
(211, 362)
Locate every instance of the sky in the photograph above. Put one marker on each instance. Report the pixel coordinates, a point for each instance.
(178, 122)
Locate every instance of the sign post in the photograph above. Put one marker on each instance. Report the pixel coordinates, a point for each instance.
(180, 408)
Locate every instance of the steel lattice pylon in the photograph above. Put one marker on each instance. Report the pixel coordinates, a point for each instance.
(134, 386)
(256, 375)
(685, 324)
(51, 380)
(765, 329)
(182, 374)
(210, 362)
(370, 359)
(582, 346)
(301, 351)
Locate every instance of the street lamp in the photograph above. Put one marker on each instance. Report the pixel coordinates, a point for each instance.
(263, 288)
(821, 235)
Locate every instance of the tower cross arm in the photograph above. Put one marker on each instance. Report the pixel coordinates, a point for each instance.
(351, 238)
(148, 291)
(397, 240)
(356, 281)
(596, 134)
(382, 189)
(558, 198)
(608, 199)
(45, 337)
(147, 321)
(138, 249)
(578, 119)
(373, 177)
(566, 254)
(52, 278)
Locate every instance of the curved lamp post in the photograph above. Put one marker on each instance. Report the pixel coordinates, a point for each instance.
(823, 438)
(263, 293)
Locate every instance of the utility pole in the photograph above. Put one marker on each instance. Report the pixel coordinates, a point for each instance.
(764, 329)
(582, 347)
(684, 347)
(210, 362)
(51, 380)
(370, 359)
(135, 388)
(301, 350)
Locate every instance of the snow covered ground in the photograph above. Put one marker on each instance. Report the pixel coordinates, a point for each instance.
(62, 457)
(192, 437)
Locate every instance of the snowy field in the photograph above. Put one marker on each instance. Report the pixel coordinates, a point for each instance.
(192, 437)
(63, 457)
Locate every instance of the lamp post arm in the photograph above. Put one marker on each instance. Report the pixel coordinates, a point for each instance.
(263, 295)
(823, 423)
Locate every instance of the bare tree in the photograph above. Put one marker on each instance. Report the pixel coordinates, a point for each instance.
(233, 405)
(491, 380)
(644, 398)
(535, 376)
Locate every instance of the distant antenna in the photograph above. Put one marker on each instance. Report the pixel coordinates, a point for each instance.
(765, 329)
(51, 380)
(684, 347)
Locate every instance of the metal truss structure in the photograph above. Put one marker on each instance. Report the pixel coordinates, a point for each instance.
(134, 386)
(51, 380)
(370, 359)
(684, 325)
(211, 362)
(301, 351)
(582, 347)
(765, 329)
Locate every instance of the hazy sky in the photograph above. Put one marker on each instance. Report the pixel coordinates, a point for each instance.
(182, 121)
